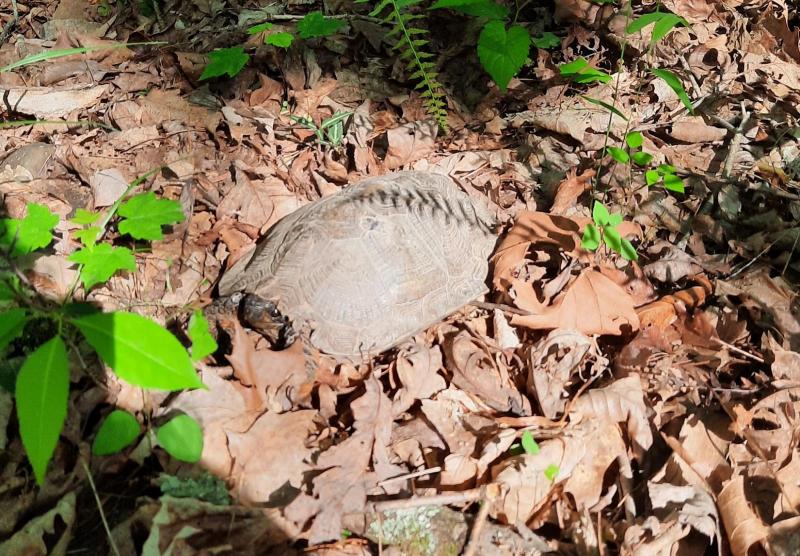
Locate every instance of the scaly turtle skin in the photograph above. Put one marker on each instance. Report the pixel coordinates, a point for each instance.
(366, 268)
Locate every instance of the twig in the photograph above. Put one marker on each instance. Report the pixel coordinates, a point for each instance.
(100, 509)
(420, 501)
(740, 351)
(415, 474)
(500, 306)
(736, 143)
(477, 526)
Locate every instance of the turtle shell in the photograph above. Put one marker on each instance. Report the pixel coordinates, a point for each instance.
(374, 264)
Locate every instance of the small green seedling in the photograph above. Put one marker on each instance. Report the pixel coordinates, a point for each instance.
(330, 132)
(632, 151)
(604, 230)
(666, 175)
(551, 472)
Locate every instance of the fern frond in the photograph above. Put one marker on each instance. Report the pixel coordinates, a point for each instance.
(409, 42)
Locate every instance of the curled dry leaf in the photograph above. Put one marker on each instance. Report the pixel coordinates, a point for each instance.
(418, 372)
(570, 189)
(553, 362)
(743, 525)
(621, 402)
(476, 372)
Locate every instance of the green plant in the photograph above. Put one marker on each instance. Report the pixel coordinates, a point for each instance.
(409, 43)
(138, 350)
(604, 229)
(664, 174)
(231, 61)
(330, 132)
(502, 49)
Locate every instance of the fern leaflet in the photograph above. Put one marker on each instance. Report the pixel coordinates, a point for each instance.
(410, 45)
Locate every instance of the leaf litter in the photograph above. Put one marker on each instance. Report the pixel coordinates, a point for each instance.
(663, 398)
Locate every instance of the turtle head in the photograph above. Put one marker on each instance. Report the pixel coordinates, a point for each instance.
(263, 316)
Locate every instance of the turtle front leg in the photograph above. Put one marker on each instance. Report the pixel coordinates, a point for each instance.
(263, 316)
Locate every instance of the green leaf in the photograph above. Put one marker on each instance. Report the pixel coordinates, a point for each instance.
(315, 25)
(144, 215)
(674, 183)
(666, 169)
(281, 40)
(614, 220)
(84, 217)
(675, 84)
(634, 139)
(665, 25)
(619, 155)
(642, 158)
(88, 236)
(100, 262)
(12, 322)
(652, 177)
(30, 233)
(477, 8)
(600, 214)
(140, 351)
(612, 238)
(529, 443)
(260, 28)
(225, 61)
(182, 438)
(203, 343)
(591, 238)
(643, 21)
(629, 251)
(607, 106)
(580, 71)
(551, 472)
(41, 391)
(118, 430)
(546, 40)
(503, 52)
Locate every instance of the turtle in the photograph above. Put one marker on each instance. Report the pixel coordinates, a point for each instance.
(360, 271)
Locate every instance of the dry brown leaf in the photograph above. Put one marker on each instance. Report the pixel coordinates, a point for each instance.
(621, 402)
(693, 129)
(409, 142)
(570, 189)
(445, 411)
(672, 264)
(744, 528)
(276, 379)
(48, 103)
(475, 372)
(418, 371)
(160, 106)
(592, 304)
(343, 487)
(553, 362)
(271, 457)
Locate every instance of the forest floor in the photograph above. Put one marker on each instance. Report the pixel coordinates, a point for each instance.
(591, 405)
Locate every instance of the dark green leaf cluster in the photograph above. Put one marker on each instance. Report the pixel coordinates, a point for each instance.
(409, 42)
